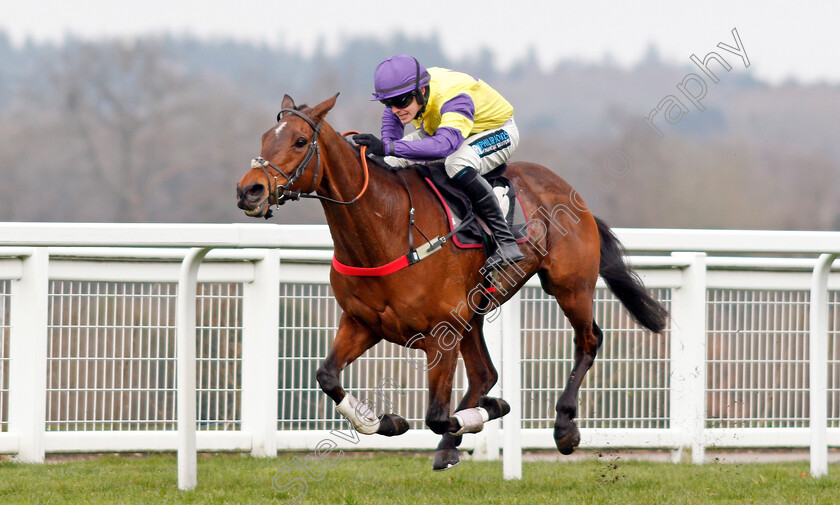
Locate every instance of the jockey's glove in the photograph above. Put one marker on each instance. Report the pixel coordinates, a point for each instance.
(374, 145)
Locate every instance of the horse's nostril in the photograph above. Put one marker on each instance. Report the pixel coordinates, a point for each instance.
(254, 191)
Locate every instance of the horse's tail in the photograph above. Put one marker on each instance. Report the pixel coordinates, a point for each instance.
(626, 285)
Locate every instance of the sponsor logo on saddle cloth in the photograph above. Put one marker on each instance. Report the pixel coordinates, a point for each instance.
(489, 144)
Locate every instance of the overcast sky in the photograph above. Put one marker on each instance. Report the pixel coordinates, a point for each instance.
(782, 39)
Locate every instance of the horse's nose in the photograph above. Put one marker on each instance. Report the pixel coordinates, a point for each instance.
(252, 193)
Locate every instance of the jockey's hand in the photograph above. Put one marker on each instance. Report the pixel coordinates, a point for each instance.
(374, 145)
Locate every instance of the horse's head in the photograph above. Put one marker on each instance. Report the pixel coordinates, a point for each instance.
(290, 160)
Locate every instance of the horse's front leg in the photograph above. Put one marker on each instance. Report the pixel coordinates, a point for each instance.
(351, 341)
(441, 370)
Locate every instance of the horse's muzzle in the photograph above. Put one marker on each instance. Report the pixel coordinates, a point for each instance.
(253, 199)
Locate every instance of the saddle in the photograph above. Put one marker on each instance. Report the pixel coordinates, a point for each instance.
(458, 207)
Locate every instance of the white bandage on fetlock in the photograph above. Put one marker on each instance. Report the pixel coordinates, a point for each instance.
(360, 416)
(471, 420)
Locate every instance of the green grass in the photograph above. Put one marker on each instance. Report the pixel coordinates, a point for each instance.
(408, 479)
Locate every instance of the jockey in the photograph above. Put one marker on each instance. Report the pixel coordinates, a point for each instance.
(459, 119)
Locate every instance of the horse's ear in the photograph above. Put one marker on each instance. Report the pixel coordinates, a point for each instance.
(320, 110)
(287, 103)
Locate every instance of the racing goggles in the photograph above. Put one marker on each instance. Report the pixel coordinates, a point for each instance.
(400, 101)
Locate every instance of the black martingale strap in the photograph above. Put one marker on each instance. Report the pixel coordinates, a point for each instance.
(431, 245)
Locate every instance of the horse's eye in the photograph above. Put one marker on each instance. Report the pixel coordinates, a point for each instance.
(301, 142)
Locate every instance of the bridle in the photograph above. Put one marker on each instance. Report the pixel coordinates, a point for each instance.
(282, 193)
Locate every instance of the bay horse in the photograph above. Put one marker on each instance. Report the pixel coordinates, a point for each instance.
(432, 305)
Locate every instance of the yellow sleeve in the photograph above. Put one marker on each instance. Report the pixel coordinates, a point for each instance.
(457, 121)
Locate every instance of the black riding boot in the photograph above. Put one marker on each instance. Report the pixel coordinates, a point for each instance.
(486, 205)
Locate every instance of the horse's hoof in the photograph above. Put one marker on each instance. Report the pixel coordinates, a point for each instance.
(445, 459)
(392, 425)
(495, 407)
(568, 439)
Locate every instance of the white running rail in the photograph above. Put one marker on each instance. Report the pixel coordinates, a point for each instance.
(751, 358)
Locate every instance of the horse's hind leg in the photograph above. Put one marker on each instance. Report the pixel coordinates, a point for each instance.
(577, 304)
(351, 341)
(481, 376)
(566, 433)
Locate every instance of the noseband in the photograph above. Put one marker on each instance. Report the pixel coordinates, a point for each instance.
(283, 193)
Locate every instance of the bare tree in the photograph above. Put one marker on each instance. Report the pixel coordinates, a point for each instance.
(121, 102)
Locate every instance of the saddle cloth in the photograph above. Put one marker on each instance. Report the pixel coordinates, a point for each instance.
(457, 206)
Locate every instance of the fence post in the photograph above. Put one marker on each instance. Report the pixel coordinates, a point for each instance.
(187, 285)
(28, 316)
(260, 348)
(512, 386)
(688, 358)
(818, 365)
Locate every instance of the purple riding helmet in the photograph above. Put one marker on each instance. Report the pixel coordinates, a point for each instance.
(398, 75)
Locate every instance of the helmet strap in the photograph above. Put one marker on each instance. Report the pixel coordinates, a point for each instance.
(422, 97)
(419, 95)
